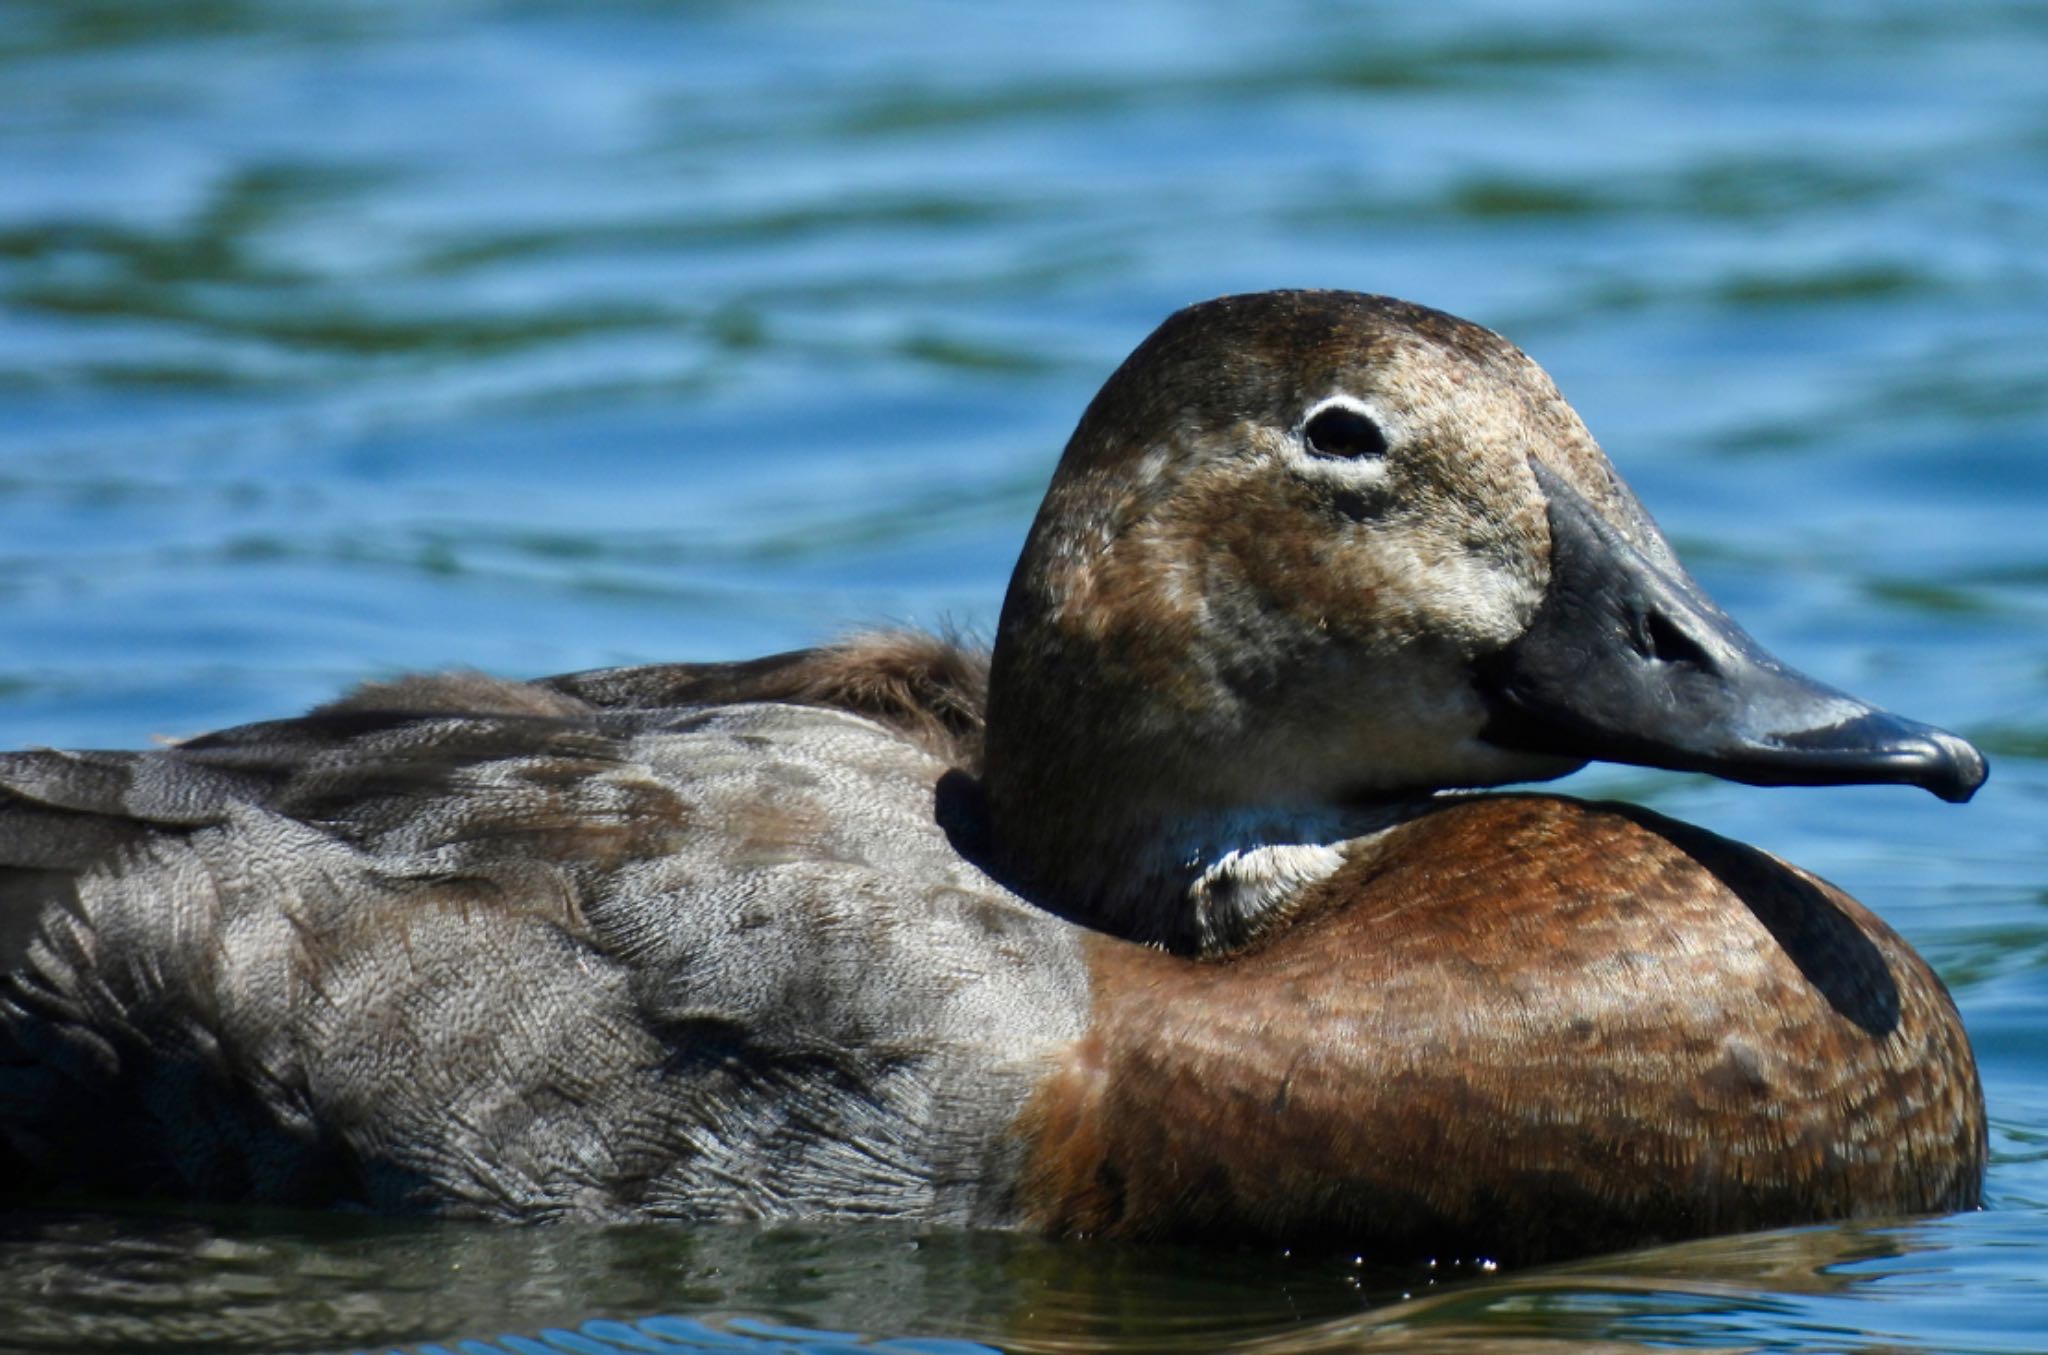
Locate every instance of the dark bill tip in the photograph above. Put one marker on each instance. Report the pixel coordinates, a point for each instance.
(1627, 660)
(1879, 747)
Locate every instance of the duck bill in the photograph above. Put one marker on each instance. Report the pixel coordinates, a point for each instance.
(1628, 661)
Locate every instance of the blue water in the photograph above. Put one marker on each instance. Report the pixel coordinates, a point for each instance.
(338, 339)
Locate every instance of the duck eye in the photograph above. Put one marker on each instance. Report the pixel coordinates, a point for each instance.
(1341, 431)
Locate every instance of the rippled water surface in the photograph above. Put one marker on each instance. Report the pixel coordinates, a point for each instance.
(338, 339)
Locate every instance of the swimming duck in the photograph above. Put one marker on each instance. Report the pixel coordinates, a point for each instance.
(1180, 914)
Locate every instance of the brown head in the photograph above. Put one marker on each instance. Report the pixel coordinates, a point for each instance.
(1309, 552)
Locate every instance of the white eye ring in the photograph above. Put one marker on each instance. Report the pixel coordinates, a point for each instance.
(1341, 428)
(1366, 472)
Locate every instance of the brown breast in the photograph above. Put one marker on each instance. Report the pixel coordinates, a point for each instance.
(1519, 1027)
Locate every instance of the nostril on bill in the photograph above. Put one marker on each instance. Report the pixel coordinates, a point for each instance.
(1666, 643)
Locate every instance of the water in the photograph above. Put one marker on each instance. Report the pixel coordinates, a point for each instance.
(349, 338)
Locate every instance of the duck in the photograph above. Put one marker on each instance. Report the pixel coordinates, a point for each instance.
(1194, 909)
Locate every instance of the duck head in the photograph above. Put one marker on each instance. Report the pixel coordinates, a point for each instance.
(1312, 556)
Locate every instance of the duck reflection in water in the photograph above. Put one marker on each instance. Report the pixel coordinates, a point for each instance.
(1178, 915)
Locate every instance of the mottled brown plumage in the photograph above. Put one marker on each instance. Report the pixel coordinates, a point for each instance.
(928, 688)
(1154, 922)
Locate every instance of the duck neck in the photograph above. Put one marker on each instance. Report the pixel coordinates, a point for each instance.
(1197, 883)
(1152, 837)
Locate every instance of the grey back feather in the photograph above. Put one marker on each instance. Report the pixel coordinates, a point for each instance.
(497, 949)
